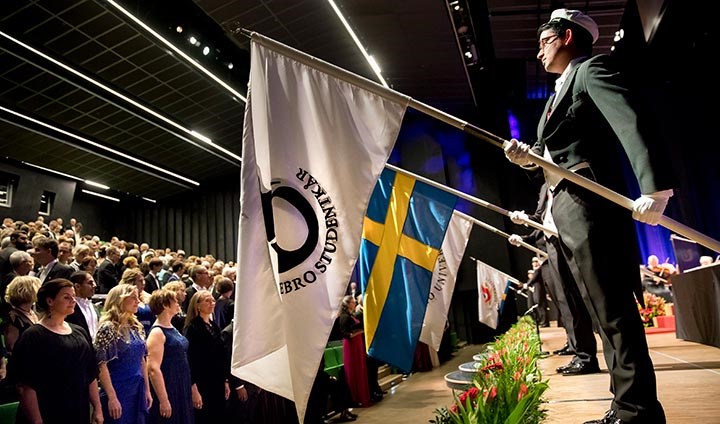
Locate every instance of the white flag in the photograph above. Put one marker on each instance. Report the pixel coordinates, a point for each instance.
(313, 147)
(443, 280)
(491, 289)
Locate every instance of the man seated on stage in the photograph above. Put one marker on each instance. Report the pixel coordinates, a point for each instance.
(655, 277)
(706, 260)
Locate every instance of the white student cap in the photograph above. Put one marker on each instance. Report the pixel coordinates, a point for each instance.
(578, 18)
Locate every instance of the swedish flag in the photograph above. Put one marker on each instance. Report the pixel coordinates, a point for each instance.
(404, 228)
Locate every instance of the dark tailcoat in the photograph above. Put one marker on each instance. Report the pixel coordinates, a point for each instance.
(593, 121)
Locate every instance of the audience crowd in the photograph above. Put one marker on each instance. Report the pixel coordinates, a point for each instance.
(116, 332)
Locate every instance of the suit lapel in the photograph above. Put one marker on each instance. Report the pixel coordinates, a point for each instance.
(544, 118)
(559, 102)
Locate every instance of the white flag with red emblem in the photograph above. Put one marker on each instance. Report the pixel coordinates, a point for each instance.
(491, 291)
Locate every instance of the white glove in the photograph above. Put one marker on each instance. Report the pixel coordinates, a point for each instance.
(517, 152)
(515, 240)
(649, 208)
(518, 217)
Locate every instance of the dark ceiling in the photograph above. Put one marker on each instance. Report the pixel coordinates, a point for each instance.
(50, 49)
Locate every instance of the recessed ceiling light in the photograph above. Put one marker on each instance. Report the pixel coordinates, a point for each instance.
(100, 146)
(179, 29)
(104, 196)
(177, 50)
(355, 38)
(192, 40)
(230, 65)
(93, 183)
(206, 50)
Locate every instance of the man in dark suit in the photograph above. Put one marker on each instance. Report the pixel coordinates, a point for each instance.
(85, 314)
(201, 280)
(45, 252)
(108, 273)
(18, 241)
(152, 282)
(583, 122)
(21, 263)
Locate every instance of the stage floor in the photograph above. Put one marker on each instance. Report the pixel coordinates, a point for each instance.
(688, 377)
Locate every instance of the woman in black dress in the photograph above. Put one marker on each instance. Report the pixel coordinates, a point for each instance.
(53, 364)
(209, 370)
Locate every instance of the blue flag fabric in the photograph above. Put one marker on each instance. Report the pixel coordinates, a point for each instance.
(403, 232)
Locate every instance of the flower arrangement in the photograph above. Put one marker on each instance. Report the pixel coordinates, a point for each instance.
(508, 385)
(654, 307)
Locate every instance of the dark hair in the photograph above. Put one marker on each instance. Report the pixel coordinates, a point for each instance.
(583, 38)
(47, 243)
(177, 265)
(85, 263)
(50, 290)
(154, 262)
(224, 285)
(78, 277)
(15, 235)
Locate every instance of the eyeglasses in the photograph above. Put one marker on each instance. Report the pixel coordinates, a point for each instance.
(544, 42)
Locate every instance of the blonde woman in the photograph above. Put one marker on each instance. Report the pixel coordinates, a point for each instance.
(21, 295)
(135, 277)
(209, 370)
(168, 364)
(120, 350)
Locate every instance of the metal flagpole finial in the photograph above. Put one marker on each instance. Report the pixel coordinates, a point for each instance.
(237, 28)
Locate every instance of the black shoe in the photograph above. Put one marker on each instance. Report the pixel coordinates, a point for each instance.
(580, 368)
(569, 365)
(566, 352)
(346, 416)
(565, 348)
(609, 418)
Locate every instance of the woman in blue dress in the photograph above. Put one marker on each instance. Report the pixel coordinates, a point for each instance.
(120, 351)
(168, 366)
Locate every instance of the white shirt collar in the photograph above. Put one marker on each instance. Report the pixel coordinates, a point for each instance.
(561, 79)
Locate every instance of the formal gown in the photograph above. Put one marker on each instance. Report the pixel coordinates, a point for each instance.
(123, 355)
(59, 367)
(176, 373)
(209, 369)
(354, 359)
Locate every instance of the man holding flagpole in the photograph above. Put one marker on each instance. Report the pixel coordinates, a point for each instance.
(583, 121)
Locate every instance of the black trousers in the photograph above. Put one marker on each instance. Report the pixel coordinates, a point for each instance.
(539, 297)
(598, 251)
(575, 317)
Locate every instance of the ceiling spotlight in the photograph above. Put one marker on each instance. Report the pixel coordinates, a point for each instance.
(457, 7)
(206, 50)
(179, 29)
(192, 39)
(468, 55)
(230, 65)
